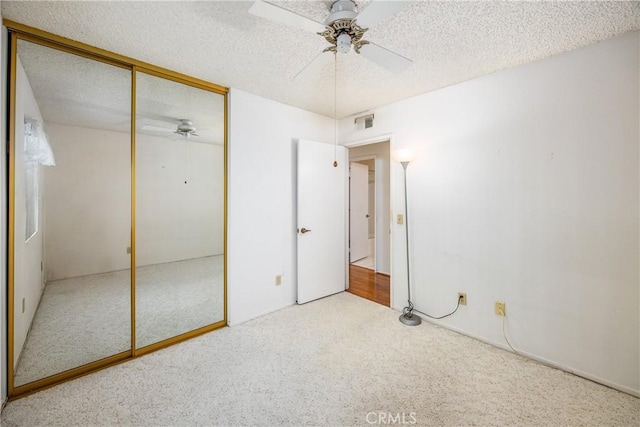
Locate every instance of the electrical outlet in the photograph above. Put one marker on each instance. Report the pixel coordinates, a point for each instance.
(462, 298)
(501, 308)
(128, 249)
(400, 219)
(279, 280)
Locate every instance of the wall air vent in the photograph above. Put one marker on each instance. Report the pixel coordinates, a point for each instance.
(364, 122)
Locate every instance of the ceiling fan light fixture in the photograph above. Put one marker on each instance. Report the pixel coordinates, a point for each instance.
(343, 33)
(343, 43)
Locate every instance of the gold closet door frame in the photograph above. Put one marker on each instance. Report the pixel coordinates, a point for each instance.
(17, 32)
(194, 333)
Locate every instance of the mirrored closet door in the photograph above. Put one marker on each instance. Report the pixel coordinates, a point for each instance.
(117, 220)
(179, 208)
(72, 212)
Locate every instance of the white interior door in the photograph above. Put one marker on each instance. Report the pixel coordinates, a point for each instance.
(322, 224)
(358, 211)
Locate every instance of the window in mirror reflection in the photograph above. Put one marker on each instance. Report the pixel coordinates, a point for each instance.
(31, 167)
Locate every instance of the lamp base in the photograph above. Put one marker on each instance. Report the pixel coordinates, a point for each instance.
(410, 321)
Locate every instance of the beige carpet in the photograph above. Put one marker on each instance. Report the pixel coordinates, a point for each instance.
(84, 319)
(331, 362)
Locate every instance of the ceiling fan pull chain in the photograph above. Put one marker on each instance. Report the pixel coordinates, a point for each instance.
(185, 161)
(335, 108)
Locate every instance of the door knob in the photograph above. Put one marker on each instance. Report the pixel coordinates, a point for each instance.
(304, 230)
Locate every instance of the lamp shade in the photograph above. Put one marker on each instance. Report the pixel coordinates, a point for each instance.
(403, 155)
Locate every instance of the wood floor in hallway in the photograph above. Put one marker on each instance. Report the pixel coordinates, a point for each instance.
(368, 284)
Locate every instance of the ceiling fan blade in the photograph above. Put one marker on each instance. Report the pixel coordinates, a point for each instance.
(378, 11)
(314, 67)
(204, 139)
(385, 58)
(153, 128)
(283, 16)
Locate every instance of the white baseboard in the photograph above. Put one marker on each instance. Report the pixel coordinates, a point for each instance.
(537, 358)
(241, 321)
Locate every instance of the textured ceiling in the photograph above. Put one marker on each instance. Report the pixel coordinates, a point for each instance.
(219, 41)
(77, 91)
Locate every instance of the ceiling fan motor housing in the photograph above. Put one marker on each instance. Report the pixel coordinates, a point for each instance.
(186, 127)
(342, 9)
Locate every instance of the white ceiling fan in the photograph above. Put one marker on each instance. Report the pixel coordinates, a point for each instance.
(344, 28)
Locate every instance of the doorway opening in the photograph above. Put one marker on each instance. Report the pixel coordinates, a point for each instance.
(369, 222)
(362, 213)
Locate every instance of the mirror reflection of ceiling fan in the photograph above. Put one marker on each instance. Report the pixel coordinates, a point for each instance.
(182, 129)
(185, 128)
(344, 28)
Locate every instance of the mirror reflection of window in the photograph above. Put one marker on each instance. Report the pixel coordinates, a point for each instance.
(31, 176)
(37, 151)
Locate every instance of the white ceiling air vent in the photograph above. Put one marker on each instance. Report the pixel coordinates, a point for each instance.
(364, 122)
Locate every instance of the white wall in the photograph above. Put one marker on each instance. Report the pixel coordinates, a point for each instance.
(383, 182)
(27, 279)
(525, 189)
(261, 211)
(178, 220)
(88, 201)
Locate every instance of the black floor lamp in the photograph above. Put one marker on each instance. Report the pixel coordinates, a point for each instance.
(407, 317)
